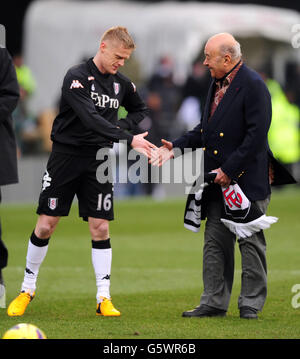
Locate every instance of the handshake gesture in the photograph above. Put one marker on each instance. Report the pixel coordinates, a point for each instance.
(157, 156)
(162, 154)
(165, 152)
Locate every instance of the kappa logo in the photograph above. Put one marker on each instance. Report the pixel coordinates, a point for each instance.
(46, 181)
(116, 87)
(76, 84)
(27, 270)
(106, 277)
(52, 203)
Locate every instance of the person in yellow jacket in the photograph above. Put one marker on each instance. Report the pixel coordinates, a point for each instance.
(25, 123)
(284, 134)
(24, 75)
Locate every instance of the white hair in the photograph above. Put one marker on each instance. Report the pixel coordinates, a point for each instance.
(233, 50)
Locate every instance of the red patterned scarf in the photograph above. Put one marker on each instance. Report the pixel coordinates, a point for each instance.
(222, 86)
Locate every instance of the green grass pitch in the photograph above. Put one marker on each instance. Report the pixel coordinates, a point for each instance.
(156, 275)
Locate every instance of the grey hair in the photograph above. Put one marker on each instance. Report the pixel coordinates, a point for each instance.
(233, 50)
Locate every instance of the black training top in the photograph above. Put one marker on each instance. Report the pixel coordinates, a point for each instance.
(88, 113)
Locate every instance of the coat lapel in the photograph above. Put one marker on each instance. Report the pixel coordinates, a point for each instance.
(223, 106)
(207, 106)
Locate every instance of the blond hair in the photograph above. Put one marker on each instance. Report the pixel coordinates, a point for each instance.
(119, 33)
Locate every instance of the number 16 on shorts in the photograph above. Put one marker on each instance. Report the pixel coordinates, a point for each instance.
(104, 202)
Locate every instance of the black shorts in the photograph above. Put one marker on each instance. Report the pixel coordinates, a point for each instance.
(69, 175)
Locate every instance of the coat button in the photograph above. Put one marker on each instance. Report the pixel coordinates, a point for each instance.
(201, 130)
(221, 134)
(204, 148)
(215, 152)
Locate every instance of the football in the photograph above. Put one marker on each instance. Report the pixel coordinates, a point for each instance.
(24, 331)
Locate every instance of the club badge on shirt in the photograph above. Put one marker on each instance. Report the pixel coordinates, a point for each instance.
(116, 87)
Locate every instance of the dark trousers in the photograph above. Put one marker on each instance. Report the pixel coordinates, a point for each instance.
(218, 263)
(3, 249)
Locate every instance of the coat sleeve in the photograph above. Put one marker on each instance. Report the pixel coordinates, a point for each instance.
(192, 139)
(9, 88)
(135, 107)
(78, 97)
(257, 117)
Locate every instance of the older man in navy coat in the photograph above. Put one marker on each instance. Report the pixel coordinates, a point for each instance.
(233, 134)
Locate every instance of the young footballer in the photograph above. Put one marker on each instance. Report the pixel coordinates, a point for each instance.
(87, 121)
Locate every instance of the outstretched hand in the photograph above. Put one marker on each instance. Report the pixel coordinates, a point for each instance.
(143, 146)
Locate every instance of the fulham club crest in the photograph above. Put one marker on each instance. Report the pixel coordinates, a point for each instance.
(116, 87)
(52, 203)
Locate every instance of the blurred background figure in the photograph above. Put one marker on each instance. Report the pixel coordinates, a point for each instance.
(292, 74)
(284, 133)
(194, 93)
(25, 124)
(163, 100)
(163, 97)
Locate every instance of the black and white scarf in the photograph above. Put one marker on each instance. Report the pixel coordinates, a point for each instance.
(241, 216)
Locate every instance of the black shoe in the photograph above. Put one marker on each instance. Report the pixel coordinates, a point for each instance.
(248, 313)
(204, 311)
